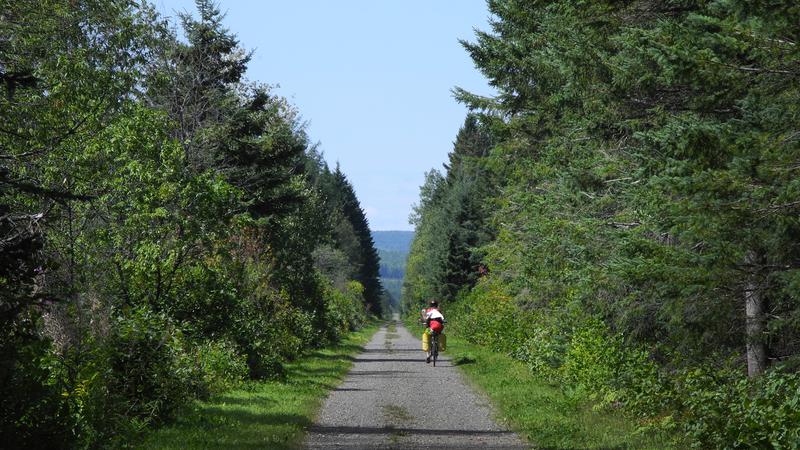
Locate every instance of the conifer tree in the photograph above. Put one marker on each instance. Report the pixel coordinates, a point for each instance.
(453, 220)
(469, 189)
(368, 261)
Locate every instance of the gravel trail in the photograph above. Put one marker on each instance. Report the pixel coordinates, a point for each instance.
(391, 399)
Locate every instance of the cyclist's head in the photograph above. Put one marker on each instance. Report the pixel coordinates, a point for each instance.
(433, 304)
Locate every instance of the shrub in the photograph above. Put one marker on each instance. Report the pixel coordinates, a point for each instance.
(708, 407)
(219, 367)
(148, 366)
(344, 310)
(543, 351)
(269, 330)
(488, 317)
(724, 409)
(33, 414)
(592, 360)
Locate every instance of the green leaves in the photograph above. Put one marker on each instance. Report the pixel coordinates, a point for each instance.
(640, 157)
(158, 220)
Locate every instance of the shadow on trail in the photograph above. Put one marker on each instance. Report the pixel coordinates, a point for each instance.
(462, 360)
(405, 431)
(376, 373)
(373, 360)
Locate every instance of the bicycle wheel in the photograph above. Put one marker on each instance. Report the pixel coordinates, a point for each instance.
(435, 348)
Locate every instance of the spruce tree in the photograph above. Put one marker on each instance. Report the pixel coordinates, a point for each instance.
(452, 220)
(469, 189)
(369, 263)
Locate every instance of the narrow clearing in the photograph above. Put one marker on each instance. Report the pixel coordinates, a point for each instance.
(391, 399)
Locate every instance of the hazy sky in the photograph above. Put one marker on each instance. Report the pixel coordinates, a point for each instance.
(373, 80)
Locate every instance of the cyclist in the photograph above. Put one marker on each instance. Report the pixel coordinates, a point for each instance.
(434, 321)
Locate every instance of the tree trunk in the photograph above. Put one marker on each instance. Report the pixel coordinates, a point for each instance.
(756, 320)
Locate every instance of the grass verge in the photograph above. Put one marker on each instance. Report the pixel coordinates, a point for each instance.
(541, 412)
(273, 414)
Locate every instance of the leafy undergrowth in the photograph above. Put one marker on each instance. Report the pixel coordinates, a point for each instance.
(269, 414)
(540, 412)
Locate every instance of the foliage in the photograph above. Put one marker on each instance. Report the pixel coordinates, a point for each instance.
(724, 410)
(149, 371)
(542, 412)
(220, 367)
(344, 311)
(159, 221)
(32, 411)
(366, 258)
(642, 186)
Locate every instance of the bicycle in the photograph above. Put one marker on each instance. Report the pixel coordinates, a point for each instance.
(433, 348)
(433, 351)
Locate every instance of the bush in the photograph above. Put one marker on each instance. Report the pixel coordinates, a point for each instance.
(724, 409)
(219, 367)
(488, 317)
(33, 414)
(269, 330)
(149, 369)
(709, 407)
(344, 310)
(543, 351)
(592, 361)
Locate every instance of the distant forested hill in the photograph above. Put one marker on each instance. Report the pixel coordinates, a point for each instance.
(396, 241)
(393, 248)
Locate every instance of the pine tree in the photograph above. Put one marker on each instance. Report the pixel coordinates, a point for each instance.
(195, 80)
(469, 189)
(368, 261)
(453, 220)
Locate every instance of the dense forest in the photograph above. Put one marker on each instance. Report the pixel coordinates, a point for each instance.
(622, 215)
(166, 228)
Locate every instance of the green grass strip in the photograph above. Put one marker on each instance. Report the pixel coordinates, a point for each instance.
(541, 412)
(274, 414)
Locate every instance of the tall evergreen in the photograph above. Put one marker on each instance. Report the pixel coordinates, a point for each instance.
(426, 259)
(369, 263)
(452, 221)
(469, 189)
(194, 80)
(649, 122)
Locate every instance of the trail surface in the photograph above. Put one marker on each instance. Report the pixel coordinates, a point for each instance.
(391, 399)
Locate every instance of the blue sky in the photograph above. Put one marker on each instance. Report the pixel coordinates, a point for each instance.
(373, 80)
